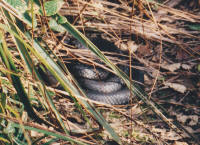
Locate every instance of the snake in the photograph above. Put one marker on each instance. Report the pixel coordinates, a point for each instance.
(100, 84)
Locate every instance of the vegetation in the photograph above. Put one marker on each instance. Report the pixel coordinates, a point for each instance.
(162, 35)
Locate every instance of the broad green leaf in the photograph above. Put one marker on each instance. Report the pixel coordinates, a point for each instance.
(20, 9)
(52, 7)
(55, 26)
(20, 5)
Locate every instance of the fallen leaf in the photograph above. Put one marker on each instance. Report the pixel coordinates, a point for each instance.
(169, 135)
(193, 119)
(177, 87)
(186, 67)
(132, 46)
(172, 67)
(180, 143)
(144, 50)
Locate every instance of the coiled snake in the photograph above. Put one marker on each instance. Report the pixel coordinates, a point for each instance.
(99, 84)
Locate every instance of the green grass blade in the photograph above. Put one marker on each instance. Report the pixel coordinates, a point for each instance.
(7, 59)
(57, 135)
(29, 62)
(60, 76)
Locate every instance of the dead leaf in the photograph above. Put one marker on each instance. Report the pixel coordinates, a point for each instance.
(186, 67)
(180, 143)
(177, 87)
(172, 67)
(144, 50)
(169, 135)
(183, 118)
(132, 46)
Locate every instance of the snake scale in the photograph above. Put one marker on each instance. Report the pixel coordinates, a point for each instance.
(99, 84)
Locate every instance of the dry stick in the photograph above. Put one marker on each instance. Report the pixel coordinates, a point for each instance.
(80, 13)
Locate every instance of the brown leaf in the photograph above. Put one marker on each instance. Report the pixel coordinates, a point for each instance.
(177, 87)
(144, 50)
(172, 67)
(180, 143)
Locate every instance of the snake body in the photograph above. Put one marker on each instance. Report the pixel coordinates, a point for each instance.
(99, 84)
